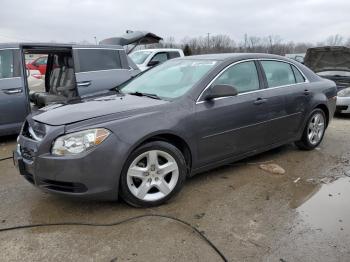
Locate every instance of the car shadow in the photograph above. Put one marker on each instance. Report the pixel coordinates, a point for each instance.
(45, 207)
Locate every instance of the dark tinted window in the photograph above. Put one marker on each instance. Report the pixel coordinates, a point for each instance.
(298, 76)
(173, 55)
(278, 73)
(9, 64)
(98, 59)
(243, 76)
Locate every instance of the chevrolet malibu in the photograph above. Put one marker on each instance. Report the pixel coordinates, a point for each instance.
(141, 140)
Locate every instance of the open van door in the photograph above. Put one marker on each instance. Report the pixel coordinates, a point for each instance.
(14, 105)
(133, 38)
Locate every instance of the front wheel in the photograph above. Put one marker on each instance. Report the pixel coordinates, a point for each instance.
(153, 174)
(314, 130)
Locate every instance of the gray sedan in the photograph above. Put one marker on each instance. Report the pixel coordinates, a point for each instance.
(142, 140)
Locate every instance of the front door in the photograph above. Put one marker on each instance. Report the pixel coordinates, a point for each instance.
(230, 125)
(14, 105)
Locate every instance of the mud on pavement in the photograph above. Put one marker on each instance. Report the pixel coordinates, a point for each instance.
(250, 214)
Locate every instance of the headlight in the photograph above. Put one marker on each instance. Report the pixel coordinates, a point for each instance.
(78, 142)
(344, 92)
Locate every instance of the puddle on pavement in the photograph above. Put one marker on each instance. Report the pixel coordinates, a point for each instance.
(327, 206)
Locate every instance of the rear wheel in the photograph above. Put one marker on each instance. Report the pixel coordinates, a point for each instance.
(153, 174)
(314, 130)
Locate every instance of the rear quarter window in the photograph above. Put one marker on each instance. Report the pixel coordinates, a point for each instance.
(298, 76)
(98, 59)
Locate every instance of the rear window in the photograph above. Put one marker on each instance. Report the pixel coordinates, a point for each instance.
(278, 73)
(98, 59)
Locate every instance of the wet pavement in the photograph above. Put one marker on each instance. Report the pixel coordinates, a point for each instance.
(248, 213)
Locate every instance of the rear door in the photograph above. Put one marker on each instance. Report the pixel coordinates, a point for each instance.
(98, 69)
(286, 102)
(14, 105)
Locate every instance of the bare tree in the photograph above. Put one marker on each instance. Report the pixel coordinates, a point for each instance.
(334, 40)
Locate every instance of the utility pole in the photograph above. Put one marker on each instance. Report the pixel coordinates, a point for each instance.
(208, 40)
(95, 40)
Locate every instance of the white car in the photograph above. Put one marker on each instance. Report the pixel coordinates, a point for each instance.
(36, 81)
(343, 101)
(148, 58)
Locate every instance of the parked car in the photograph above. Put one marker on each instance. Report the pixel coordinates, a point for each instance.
(72, 71)
(185, 116)
(297, 57)
(38, 64)
(333, 62)
(148, 58)
(35, 80)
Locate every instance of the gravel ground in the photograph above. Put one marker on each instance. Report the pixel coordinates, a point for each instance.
(248, 213)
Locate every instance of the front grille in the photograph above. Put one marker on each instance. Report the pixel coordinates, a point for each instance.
(69, 187)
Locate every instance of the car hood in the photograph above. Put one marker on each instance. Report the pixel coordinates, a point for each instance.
(328, 58)
(62, 114)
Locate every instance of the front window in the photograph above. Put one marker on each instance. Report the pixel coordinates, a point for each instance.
(160, 57)
(171, 79)
(243, 76)
(139, 57)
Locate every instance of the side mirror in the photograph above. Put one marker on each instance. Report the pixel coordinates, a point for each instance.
(220, 91)
(153, 63)
(27, 72)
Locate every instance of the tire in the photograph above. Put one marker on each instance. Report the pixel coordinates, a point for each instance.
(307, 142)
(153, 173)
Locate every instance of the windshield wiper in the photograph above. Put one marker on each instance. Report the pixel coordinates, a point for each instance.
(154, 96)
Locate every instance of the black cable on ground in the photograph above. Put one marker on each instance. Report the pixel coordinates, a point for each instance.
(121, 222)
(6, 158)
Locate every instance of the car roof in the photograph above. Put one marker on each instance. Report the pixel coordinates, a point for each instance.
(53, 45)
(238, 56)
(158, 49)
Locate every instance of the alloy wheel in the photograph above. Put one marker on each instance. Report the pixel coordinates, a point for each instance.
(316, 128)
(152, 175)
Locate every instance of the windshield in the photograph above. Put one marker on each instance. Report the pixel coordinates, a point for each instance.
(334, 73)
(171, 79)
(139, 56)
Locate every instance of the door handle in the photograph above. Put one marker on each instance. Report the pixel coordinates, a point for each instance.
(84, 84)
(13, 91)
(260, 101)
(306, 92)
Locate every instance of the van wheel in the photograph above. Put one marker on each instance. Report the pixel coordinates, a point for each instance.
(152, 174)
(314, 130)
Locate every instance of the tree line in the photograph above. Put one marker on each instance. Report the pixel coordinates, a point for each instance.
(272, 44)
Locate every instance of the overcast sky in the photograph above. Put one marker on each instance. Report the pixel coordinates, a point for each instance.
(74, 20)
